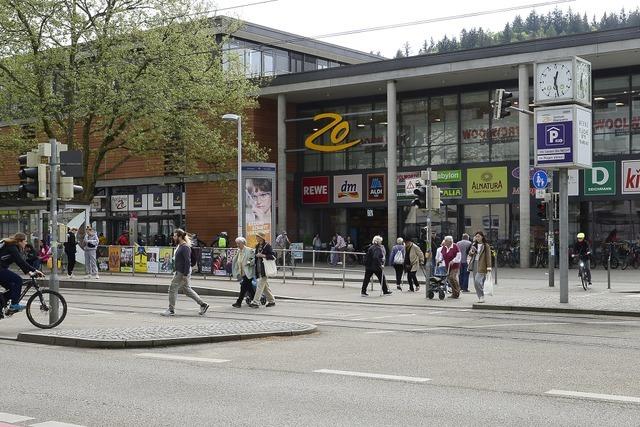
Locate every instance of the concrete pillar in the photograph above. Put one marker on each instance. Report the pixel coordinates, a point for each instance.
(525, 214)
(392, 165)
(282, 165)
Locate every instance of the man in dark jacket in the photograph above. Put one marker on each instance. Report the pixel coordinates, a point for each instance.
(374, 263)
(70, 251)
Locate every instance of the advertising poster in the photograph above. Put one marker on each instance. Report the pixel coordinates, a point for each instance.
(157, 200)
(126, 259)
(152, 259)
(177, 198)
(258, 208)
(114, 259)
(206, 259)
(140, 260)
(347, 189)
(487, 183)
(296, 250)
(137, 200)
(166, 260)
(102, 258)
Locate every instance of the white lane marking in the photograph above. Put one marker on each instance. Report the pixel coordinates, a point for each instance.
(55, 424)
(510, 324)
(13, 418)
(90, 310)
(325, 321)
(612, 322)
(596, 396)
(182, 358)
(383, 317)
(375, 376)
(380, 332)
(633, 296)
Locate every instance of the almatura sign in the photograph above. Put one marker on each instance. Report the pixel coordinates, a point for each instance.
(347, 189)
(487, 183)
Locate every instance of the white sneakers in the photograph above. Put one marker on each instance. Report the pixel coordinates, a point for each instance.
(480, 300)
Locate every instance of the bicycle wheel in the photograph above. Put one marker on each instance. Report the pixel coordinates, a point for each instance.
(39, 307)
(583, 280)
(614, 262)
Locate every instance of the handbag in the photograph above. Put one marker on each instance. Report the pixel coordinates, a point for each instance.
(398, 258)
(270, 268)
(488, 283)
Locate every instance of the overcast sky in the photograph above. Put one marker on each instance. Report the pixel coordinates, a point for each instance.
(314, 18)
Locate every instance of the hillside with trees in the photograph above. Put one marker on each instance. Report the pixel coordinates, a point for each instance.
(534, 26)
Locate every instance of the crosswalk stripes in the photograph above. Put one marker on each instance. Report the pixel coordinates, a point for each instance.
(6, 419)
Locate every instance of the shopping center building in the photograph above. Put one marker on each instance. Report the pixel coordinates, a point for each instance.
(385, 121)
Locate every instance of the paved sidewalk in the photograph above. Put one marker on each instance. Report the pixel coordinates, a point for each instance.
(517, 289)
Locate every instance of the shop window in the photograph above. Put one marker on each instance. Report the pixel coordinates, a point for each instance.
(611, 116)
(505, 133)
(282, 61)
(360, 122)
(414, 130)
(296, 62)
(380, 136)
(443, 131)
(635, 114)
(475, 113)
(612, 221)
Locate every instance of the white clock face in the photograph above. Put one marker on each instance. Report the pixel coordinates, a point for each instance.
(555, 80)
(583, 81)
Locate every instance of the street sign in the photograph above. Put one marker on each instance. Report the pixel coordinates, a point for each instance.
(411, 184)
(540, 180)
(71, 163)
(540, 193)
(562, 137)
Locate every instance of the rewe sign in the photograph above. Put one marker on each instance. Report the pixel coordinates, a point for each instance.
(631, 177)
(315, 190)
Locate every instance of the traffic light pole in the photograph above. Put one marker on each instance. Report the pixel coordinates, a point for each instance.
(564, 236)
(54, 284)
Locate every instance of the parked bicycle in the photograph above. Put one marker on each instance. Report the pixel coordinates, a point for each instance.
(631, 257)
(542, 257)
(39, 305)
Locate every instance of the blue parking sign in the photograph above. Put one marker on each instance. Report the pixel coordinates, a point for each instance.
(540, 180)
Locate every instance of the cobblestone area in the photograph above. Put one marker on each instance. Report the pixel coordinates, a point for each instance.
(217, 330)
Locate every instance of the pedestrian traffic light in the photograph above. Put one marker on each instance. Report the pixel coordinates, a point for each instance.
(541, 210)
(501, 104)
(33, 175)
(421, 200)
(67, 189)
(435, 197)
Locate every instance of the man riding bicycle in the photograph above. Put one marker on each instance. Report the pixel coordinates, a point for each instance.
(10, 249)
(582, 250)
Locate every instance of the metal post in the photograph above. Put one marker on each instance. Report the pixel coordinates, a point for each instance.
(313, 268)
(550, 240)
(344, 263)
(240, 193)
(564, 236)
(428, 206)
(392, 162)
(54, 284)
(609, 266)
(523, 163)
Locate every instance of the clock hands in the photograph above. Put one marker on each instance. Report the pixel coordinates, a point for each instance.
(555, 83)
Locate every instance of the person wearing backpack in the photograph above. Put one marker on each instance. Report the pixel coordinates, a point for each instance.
(413, 258)
(397, 260)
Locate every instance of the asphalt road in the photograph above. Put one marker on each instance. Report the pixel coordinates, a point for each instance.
(368, 365)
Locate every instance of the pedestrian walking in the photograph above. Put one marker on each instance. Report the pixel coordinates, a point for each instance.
(70, 251)
(479, 263)
(182, 275)
(91, 243)
(412, 261)
(463, 245)
(451, 256)
(397, 261)
(374, 264)
(44, 253)
(243, 269)
(339, 246)
(263, 251)
(281, 245)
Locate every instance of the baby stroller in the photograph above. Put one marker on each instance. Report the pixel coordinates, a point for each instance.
(438, 283)
(263, 299)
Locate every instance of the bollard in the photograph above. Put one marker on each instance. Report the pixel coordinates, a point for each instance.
(609, 266)
(313, 268)
(344, 266)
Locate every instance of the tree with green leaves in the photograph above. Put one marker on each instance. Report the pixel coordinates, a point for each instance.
(123, 78)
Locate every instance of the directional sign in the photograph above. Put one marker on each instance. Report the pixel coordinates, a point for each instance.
(540, 180)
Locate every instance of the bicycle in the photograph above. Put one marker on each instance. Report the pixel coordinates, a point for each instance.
(582, 272)
(542, 257)
(39, 305)
(632, 258)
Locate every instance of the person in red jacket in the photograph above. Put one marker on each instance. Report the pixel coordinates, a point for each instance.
(123, 240)
(451, 255)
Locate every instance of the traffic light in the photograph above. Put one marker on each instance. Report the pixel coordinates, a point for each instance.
(421, 200)
(501, 104)
(33, 175)
(67, 189)
(435, 197)
(541, 210)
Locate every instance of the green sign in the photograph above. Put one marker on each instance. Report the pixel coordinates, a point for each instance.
(452, 175)
(487, 183)
(451, 193)
(600, 180)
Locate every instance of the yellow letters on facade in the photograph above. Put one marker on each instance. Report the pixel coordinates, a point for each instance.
(339, 132)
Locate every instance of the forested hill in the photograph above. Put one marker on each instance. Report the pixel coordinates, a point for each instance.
(534, 26)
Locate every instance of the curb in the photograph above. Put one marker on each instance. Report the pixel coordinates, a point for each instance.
(160, 342)
(555, 310)
(140, 287)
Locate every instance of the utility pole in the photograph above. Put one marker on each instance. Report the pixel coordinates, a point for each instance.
(428, 206)
(54, 284)
(550, 237)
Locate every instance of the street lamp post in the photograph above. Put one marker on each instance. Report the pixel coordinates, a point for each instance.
(238, 119)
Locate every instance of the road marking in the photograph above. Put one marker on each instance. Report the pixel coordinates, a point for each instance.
(383, 317)
(633, 296)
(13, 418)
(90, 310)
(510, 324)
(375, 376)
(55, 424)
(595, 396)
(182, 358)
(380, 332)
(325, 321)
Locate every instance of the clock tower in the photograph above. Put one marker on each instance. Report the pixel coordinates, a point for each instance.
(562, 81)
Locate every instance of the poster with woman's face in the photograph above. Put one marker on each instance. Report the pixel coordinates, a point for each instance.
(258, 202)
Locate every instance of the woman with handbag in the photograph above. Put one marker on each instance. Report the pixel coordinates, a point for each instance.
(90, 247)
(397, 260)
(412, 261)
(243, 269)
(264, 255)
(479, 263)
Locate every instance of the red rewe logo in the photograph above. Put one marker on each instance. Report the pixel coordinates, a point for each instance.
(315, 190)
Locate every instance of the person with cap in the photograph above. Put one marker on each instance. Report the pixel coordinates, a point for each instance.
(263, 251)
(582, 250)
(281, 245)
(70, 250)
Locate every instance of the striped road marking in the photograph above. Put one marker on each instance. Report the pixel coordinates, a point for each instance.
(380, 332)
(13, 418)
(90, 310)
(181, 358)
(54, 424)
(594, 396)
(375, 376)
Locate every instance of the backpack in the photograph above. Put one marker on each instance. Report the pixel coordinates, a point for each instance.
(398, 258)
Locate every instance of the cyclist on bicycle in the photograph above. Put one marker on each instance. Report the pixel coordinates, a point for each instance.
(10, 249)
(582, 250)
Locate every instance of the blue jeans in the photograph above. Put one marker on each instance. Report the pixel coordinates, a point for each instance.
(464, 276)
(12, 282)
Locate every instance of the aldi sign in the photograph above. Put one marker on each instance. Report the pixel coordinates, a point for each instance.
(376, 187)
(600, 180)
(315, 190)
(631, 177)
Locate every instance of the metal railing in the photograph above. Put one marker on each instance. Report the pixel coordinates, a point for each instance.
(322, 260)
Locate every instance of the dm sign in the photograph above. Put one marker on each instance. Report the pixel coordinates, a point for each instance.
(347, 189)
(487, 183)
(600, 180)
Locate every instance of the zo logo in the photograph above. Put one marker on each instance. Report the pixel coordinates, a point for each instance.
(554, 135)
(339, 132)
